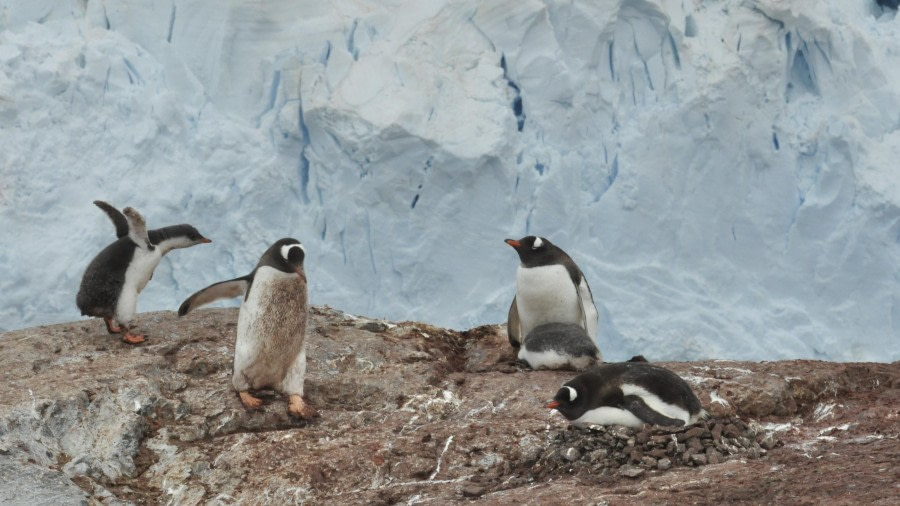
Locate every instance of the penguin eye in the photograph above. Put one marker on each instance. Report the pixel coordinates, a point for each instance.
(293, 253)
(537, 243)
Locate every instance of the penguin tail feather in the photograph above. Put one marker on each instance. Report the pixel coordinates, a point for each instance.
(702, 415)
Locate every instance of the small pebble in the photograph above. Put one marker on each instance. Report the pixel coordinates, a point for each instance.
(473, 490)
(631, 471)
(376, 327)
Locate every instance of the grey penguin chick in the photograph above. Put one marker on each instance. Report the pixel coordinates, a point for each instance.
(629, 394)
(550, 288)
(158, 236)
(270, 347)
(559, 346)
(116, 276)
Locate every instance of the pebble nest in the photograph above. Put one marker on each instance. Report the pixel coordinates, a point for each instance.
(623, 451)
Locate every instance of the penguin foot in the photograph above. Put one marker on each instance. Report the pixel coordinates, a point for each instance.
(521, 363)
(299, 408)
(249, 401)
(130, 338)
(112, 327)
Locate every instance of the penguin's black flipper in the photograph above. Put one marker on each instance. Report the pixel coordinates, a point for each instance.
(513, 328)
(586, 306)
(640, 409)
(221, 290)
(116, 216)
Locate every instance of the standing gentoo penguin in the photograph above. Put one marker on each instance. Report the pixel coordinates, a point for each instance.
(270, 349)
(114, 278)
(550, 288)
(559, 346)
(629, 394)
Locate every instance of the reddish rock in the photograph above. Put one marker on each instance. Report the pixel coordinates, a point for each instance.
(411, 411)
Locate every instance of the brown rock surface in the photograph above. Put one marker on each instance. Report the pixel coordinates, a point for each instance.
(412, 413)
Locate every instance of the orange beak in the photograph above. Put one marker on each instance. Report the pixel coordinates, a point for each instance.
(205, 240)
(512, 242)
(553, 405)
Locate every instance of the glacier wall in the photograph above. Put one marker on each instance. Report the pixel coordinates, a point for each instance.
(724, 172)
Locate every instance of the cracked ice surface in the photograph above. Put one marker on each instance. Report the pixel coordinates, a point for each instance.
(725, 174)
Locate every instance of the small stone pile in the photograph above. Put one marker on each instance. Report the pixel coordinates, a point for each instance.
(629, 452)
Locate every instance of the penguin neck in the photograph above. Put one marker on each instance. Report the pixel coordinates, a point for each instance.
(170, 243)
(536, 260)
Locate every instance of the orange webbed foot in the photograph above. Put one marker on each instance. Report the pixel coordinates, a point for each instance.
(130, 338)
(112, 327)
(299, 408)
(249, 401)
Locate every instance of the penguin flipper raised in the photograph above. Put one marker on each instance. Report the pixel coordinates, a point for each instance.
(513, 328)
(640, 409)
(137, 228)
(116, 217)
(221, 290)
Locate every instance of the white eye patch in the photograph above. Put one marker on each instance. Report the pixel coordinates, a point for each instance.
(572, 393)
(286, 249)
(538, 242)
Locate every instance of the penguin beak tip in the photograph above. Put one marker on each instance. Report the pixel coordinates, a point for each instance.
(552, 405)
(512, 242)
(205, 240)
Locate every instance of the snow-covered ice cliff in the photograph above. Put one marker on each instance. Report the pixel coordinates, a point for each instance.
(725, 172)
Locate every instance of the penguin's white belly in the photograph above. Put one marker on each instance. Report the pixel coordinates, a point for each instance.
(608, 415)
(271, 329)
(546, 294)
(139, 272)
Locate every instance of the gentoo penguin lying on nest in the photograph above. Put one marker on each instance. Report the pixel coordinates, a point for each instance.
(629, 394)
(559, 346)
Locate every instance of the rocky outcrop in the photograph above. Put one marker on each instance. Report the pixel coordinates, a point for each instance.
(413, 413)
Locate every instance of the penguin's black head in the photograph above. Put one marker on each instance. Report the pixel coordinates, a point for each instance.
(570, 401)
(534, 251)
(177, 236)
(286, 255)
(194, 235)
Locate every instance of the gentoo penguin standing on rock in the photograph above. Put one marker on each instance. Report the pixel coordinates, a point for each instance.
(270, 350)
(550, 288)
(559, 346)
(114, 278)
(629, 394)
